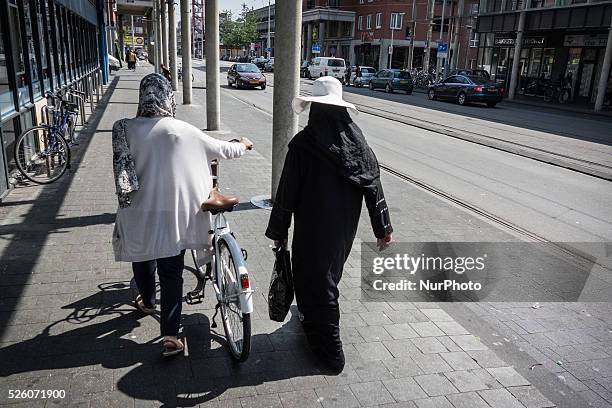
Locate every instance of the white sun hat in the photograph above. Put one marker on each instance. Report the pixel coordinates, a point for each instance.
(327, 90)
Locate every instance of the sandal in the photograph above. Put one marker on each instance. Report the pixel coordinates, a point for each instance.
(141, 306)
(172, 347)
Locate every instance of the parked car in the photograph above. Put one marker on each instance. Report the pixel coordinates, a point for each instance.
(245, 75)
(269, 65)
(304, 69)
(260, 62)
(113, 63)
(392, 80)
(365, 74)
(471, 72)
(327, 66)
(465, 89)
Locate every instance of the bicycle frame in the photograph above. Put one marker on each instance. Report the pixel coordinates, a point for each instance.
(222, 230)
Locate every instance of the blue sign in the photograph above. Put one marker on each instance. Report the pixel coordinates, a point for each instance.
(269, 49)
(316, 48)
(442, 50)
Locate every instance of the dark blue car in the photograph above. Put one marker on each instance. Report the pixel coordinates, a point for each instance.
(465, 89)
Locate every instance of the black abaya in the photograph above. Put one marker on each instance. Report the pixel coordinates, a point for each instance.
(328, 171)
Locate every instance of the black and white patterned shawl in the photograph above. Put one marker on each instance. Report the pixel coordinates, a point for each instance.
(156, 99)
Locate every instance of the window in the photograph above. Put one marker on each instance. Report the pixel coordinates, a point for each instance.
(360, 23)
(378, 20)
(369, 22)
(6, 96)
(33, 60)
(396, 21)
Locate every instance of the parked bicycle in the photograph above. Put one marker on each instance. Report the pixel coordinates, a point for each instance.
(42, 153)
(228, 273)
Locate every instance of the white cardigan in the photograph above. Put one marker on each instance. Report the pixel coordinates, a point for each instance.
(172, 161)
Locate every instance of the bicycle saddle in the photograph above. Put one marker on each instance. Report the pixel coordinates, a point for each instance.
(71, 106)
(218, 202)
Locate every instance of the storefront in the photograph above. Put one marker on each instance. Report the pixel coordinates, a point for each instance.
(45, 45)
(573, 61)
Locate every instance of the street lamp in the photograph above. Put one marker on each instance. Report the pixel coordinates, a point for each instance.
(401, 17)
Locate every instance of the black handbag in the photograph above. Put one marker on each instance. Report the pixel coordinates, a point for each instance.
(280, 295)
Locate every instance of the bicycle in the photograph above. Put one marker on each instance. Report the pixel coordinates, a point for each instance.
(42, 153)
(228, 273)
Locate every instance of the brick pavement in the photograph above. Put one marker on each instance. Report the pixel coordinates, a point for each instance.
(66, 319)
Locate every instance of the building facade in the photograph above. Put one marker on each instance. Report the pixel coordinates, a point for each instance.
(564, 43)
(45, 45)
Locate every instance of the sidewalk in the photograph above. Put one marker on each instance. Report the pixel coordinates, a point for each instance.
(67, 322)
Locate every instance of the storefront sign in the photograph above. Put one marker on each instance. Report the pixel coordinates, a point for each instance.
(598, 40)
(529, 41)
(127, 40)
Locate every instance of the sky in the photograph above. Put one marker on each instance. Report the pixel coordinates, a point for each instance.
(236, 5)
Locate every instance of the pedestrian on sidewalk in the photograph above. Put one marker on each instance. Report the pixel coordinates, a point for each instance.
(166, 73)
(162, 176)
(328, 171)
(131, 57)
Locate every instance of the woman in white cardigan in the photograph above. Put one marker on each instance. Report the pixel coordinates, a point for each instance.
(162, 176)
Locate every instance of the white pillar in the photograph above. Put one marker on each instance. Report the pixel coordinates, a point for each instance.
(164, 28)
(172, 43)
(159, 40)
(321, 38)
(286, 81)
(309, 42)
(213, 92)
(427, 51)
(605, 74)
(155, 37)
(456, 42)
(517, 57)
(186, 51)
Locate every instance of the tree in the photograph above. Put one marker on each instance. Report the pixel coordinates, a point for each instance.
(241, 32)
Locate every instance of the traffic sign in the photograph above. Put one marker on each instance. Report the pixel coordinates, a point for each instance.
(390, 49)
(269, 49)
(442, 50)
(316, 48)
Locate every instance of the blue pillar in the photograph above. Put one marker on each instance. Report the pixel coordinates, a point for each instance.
(102, 46)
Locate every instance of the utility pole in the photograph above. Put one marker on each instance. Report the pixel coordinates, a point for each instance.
(455, 60)
(440, 40)
(401, 17)
(172, 45)
(158, 29)
(202, 36)
(430, 12)
(186, 51)
(213, 91)
(268, 44)
(412, 35)
(287, 82)
(155, 35)
(517, 54)
(133, 42)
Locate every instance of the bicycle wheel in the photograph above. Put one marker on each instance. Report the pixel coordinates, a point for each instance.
(237, 325)
(41, 158)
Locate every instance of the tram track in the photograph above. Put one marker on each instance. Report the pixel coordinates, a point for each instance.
(505, 224)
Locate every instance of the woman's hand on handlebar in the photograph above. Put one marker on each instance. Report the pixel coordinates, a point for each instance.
(247, 143)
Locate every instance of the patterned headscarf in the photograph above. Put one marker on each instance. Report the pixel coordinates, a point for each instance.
(156, 97)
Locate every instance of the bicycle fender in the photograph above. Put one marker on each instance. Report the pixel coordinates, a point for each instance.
(246, 295)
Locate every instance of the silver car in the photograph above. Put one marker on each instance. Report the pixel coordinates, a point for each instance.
(365, 73)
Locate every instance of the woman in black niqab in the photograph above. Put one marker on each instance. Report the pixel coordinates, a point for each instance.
(328, 171)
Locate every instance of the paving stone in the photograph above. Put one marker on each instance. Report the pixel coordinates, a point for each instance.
(437, 315)
(401, 348)
(500, 398)
(486, 358)
(435, 384)
(373, 333)
(373, 351)
(468, 342)
(466, 381)
(402, 367)
(530, 397)
(431, 363)
(433, 402)
(404, 389)
(451, 328)
(460, 360)
(429, 345)
(337, 396)
(426, 329)
(261, 401)
(300, 399)
(401, 331)
(371, 393)
(372, 370)
(467, 400)
(508, 376)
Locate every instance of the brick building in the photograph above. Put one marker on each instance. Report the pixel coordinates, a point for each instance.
(362, 31)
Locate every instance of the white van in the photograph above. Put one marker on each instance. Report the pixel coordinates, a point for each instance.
(327, 66)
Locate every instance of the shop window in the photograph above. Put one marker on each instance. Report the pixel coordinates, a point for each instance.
(45, 54)
(9, 133)
(7, 103)
(548, 58)
(27, 16)
(534, 64)
(16, 49)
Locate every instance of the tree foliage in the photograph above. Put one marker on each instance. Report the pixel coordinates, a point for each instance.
(239, 32)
